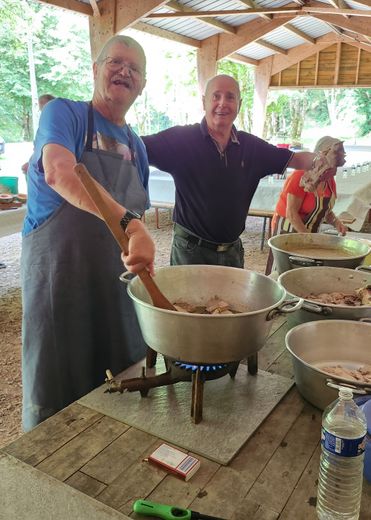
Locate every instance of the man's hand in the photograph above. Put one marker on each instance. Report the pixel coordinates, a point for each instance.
(141, 248)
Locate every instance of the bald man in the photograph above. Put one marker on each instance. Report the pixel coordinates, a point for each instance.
(216, 170)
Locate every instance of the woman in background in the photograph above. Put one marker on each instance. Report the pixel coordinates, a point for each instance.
(303, 209)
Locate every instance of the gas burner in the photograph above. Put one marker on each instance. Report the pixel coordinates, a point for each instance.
(176, 371)
(202, 368)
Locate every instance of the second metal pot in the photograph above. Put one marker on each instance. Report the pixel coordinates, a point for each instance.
(315, 280)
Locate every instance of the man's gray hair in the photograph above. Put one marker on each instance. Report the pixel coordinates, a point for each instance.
(125, 40)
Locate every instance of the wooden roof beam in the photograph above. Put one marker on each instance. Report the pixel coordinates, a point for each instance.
(173, 4)
(357, 25)
(248, 33)
(299, 53)
(252, 4)
(70, 5)
(340, 4)
(299, 11)
(129, 12)
(299, 33)
(241, 59)
(95, 7)
(169, 35)
(271, 46)
(364, 2)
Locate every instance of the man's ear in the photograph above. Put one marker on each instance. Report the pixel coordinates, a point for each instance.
(95, 70)
(239, 105)
(203, 102)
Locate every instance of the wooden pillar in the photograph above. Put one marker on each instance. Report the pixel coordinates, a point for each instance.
(206, 61)
(262, 81)
(102, 26)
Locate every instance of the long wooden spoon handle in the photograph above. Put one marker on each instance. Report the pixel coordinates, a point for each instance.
(99, 198)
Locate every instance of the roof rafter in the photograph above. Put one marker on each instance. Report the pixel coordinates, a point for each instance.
(173, 4)
(271, 46)
(253, 5)
(242, 59)
(300, 11)
(168, 35)
(300, 33)
(356, 25)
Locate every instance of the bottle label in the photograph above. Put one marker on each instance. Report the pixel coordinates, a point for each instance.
(341, 446)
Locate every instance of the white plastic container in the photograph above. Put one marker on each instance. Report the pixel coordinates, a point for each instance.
(341, 465)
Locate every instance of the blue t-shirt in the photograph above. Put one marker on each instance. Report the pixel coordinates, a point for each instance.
(65, 122)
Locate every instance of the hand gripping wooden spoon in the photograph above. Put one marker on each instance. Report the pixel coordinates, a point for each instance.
(92, 188)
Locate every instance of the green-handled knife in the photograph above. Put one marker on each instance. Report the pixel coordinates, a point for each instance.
(148, 508)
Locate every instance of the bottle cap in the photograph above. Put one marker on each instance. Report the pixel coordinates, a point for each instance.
(345, 392)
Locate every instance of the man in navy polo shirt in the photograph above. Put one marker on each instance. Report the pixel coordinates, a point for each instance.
(216, 170)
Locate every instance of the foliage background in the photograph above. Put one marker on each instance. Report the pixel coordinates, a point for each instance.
(61, 53)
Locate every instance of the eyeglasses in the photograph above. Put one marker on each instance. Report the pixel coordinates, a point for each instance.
(116, 64)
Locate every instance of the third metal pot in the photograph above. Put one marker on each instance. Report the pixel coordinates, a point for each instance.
(328, 343)
(310, 249)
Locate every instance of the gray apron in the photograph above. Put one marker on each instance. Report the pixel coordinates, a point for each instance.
(77, 317)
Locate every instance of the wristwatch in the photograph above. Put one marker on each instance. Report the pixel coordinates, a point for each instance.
(129, 215)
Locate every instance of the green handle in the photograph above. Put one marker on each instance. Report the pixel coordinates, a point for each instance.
(148, 508)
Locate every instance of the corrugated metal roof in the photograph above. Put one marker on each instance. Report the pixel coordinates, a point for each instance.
(199, 30)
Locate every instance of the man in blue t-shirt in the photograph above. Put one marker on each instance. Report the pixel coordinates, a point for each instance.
(216, 170)
(77, 319)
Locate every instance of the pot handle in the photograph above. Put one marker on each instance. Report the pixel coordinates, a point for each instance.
(363, 390)
(366, 268)
(304, 262)
(317, 309)
(285, 308)
(365, 320)
(124, 277)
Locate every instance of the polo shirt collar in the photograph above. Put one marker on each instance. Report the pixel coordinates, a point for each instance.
(205, 132)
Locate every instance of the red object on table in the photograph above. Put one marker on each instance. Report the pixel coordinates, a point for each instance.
(283, 145)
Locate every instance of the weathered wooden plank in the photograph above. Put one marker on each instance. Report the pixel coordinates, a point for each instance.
(230, 484)
(52, 434)
(250, 510)
(77, 452)
(85, 484)
(119, 455)
(135, 483)
(274, 485)
(172, 490)
(303, 500)
(273, 348)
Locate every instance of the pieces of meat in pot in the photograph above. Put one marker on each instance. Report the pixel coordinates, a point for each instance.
(361, 374)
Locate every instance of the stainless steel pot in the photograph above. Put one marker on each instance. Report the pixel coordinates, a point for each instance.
(306, 280)
(326, 343)
(349, 252)
(201, 338)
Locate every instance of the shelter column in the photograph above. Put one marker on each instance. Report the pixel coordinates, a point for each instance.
(206, 61)
(102, 26)
(262, 81)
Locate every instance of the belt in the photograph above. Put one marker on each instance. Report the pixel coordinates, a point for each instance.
(219, 248)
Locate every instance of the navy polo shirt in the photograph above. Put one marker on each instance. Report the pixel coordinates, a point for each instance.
(213, 189)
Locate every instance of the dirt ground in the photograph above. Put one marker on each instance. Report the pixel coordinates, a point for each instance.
(11, 310)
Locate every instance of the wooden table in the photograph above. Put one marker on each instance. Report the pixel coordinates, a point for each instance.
(81, 465)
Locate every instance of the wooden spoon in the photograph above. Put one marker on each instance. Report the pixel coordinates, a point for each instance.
(92, 188)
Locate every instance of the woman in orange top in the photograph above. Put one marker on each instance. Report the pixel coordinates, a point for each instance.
(303, 211)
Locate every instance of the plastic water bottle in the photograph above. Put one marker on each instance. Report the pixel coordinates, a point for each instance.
(341, 465)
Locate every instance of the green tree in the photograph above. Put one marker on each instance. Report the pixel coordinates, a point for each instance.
(362, 98)
(62, 63)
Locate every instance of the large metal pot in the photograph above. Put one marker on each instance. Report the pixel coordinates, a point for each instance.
(306, 280)
(345, 252)
(201, 338)
(326, 343)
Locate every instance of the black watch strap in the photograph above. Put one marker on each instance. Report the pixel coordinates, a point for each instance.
(129, 215)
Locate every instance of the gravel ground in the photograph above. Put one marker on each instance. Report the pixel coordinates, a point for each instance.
(11, 309)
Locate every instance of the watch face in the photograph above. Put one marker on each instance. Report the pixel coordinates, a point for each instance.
(129, 215)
